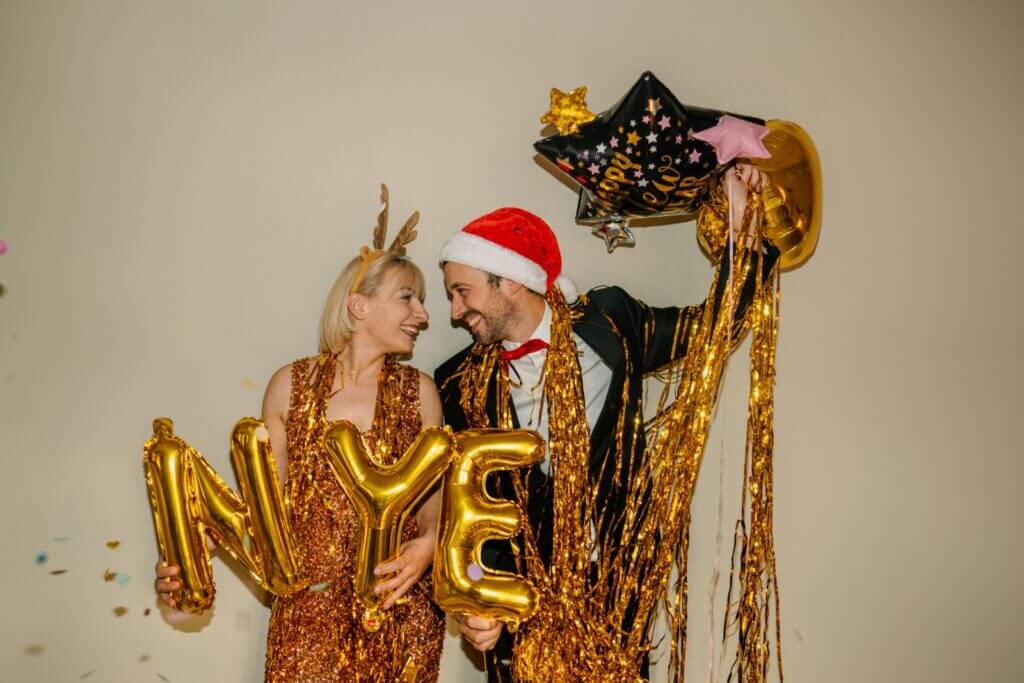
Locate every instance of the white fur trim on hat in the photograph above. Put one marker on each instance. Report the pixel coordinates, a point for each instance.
(477, 252)
(568, 288)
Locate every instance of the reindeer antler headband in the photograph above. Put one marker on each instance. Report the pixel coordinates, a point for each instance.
(404, 237)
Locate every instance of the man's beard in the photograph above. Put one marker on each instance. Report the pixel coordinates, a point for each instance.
(493, 328)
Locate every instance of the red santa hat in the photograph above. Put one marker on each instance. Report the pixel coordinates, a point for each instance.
(513, 244)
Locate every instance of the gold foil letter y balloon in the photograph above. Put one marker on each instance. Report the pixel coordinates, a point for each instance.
(382, 498)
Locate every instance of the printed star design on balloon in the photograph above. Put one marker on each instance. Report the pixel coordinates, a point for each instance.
(568, 110)
(732, 137)
(664, 167)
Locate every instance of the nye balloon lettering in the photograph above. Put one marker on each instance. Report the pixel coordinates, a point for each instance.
(189, 500)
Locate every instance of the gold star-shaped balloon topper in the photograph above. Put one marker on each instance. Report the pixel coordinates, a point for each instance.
(568, 110)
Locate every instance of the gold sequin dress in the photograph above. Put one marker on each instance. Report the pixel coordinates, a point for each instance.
(315, 635)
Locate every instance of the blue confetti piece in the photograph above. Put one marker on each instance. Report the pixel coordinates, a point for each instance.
(317, 587)
(41, 558)
(122, 579)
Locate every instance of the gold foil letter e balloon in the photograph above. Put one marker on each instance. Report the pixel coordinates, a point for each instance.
(188, 499)
(382, 497)
(462, 585)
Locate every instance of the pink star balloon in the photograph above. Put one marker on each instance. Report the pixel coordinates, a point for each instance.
(3, 247)
(732, 137)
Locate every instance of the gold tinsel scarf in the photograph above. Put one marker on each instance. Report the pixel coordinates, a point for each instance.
(577, 633)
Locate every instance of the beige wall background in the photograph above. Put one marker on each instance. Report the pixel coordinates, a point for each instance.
(181, 182)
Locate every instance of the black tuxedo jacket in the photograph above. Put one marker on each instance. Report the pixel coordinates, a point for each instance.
(612, 320)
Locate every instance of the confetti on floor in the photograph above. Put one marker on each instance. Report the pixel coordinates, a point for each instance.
(113, 544)
(120, 611)
(317, 587)
(144, 658)
(146, 612)
(108, 575)
(58, 572)
(87, 674)
(35, 649)
(41, 558)
(61, 539)
(164, 678)
(123, 579)
(249, 384)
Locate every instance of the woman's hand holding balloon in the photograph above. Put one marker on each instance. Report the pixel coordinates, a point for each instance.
(415, 557)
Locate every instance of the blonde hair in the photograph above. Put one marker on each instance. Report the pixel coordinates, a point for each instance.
(336, 325)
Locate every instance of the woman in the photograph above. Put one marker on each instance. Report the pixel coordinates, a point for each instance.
(373, 313)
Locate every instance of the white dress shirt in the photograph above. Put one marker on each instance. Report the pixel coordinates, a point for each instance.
(526, 386)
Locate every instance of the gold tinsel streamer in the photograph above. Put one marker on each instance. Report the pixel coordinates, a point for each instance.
(759, 587)
(595, 617)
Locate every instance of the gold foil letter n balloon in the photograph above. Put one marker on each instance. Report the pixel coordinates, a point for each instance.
(189, 499)
(383, 497)
(469, 516)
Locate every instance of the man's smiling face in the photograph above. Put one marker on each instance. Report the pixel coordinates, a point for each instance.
(479, 303)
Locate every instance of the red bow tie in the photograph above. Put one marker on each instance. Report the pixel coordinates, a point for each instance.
(531, 346)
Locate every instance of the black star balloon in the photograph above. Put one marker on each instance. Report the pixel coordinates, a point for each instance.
(639, 159)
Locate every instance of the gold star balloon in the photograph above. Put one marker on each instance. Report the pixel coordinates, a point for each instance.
(568, 110)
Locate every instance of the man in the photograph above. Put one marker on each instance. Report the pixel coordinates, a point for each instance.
(498, 271)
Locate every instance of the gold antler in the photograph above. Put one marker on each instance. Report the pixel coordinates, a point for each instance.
(406, 235)
(382, 219)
